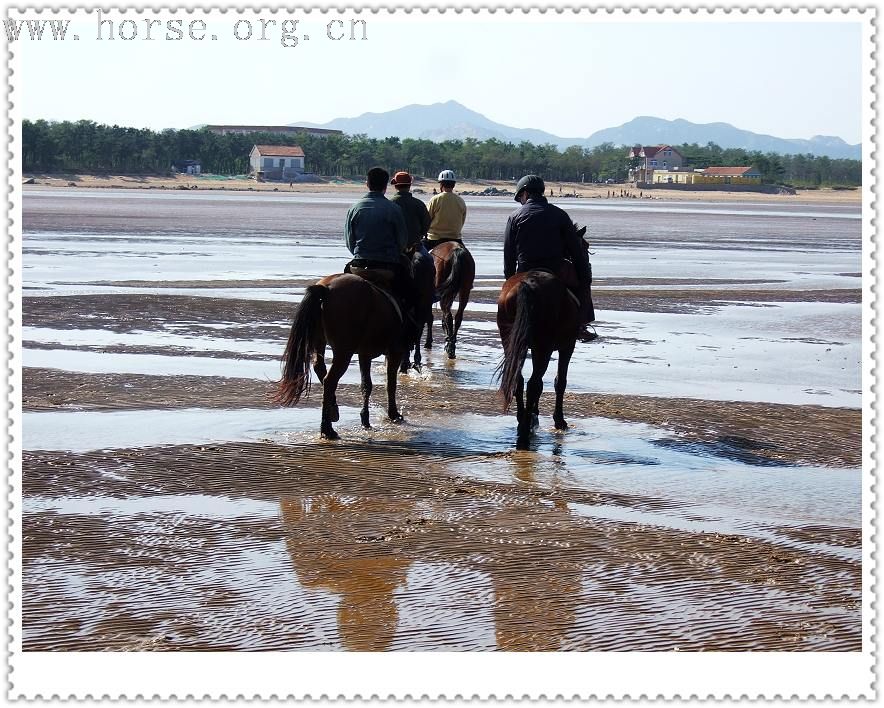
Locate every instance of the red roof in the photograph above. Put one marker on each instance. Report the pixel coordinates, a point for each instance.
(280, 150)
(728, 171)
(650, 150)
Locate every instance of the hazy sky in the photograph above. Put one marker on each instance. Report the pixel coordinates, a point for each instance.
(567, 75)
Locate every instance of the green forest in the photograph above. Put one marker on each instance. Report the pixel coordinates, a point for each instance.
(87, 147)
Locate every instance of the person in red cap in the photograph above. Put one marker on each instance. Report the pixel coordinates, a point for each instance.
(417, 218)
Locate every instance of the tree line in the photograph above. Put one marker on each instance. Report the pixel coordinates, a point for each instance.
(86, 146)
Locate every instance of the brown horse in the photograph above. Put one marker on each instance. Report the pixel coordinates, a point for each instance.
(535, 311)
(352, 317)
(424, 274)
(455, 273)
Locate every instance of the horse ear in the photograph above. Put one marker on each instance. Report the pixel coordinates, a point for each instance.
(581, 231)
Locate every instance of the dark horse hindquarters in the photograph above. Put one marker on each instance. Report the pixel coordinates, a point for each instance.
(535, 313)
(352, 317)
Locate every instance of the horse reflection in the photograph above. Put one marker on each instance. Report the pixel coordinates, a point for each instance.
(537, 584)
(333, 544)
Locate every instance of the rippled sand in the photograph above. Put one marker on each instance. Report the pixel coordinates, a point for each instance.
(169, 506)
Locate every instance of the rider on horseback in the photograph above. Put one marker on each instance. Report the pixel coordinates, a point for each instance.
(448, 213)
(376, 235)
(540, 235)
(417, 219)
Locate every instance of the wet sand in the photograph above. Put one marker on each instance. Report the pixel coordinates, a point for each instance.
(171, 511)
(424, 188)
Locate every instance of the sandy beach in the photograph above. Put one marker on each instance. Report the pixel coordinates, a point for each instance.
(425, 187)
(706, 497)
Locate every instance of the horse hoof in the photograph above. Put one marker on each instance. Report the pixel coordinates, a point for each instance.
(396, 418)
(329, 434)
(428, 345)
(365, 423)
(561, 424)
(535, 421)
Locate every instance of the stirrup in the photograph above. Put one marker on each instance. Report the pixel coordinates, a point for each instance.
(585, 335)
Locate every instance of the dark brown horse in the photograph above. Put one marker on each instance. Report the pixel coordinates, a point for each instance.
(455, 273)
(535, 311)
(423, 270)
(352, 316)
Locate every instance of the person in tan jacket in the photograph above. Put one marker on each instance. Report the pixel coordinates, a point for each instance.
(448, 213)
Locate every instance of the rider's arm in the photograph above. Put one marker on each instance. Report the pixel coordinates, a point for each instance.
(424, 219)
(349, 231)
(399, 228)
(509, 249)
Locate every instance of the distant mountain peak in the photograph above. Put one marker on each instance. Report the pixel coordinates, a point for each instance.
(451, 120)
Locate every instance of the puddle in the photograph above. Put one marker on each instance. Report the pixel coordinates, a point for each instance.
(599, 454)
(81, 431)
(192, 505)
(152, 338)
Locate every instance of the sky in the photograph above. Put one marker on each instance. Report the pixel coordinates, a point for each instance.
(568, 75)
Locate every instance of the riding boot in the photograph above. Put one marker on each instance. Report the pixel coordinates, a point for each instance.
(586, 333)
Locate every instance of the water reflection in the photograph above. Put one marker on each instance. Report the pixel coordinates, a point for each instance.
(339, 544)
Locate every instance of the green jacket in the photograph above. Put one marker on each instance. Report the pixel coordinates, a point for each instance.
(417, 219)
(375, 229)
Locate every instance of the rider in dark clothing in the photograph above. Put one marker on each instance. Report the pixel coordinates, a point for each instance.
(417, 218)
(541, 235)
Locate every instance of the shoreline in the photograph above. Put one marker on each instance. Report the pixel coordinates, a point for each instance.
(424, 188)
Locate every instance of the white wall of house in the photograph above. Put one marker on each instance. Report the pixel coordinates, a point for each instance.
(263, 163)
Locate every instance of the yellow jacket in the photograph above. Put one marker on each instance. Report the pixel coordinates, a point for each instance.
(448, 212)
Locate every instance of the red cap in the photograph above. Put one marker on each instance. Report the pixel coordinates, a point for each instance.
(401, 179)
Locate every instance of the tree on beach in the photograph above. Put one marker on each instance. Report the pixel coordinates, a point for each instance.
(85, 146)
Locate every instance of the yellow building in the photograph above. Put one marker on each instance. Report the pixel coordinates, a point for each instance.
(711, 175)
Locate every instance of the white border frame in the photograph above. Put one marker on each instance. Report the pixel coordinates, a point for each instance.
(436, 675)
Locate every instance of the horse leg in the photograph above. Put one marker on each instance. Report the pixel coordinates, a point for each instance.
(417, 348)
(532, 398)
(406, 361)
(392, 366)
(448, 329)
(330, 412)
(561, 384)
(429, 343)
(319, 363)
(520, 398)
(365, 370)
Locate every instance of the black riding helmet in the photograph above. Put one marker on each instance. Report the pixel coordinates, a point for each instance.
(532, 183)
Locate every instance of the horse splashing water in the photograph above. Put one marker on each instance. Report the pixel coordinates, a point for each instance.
(535, 311)
(455, 273)
(352, 316)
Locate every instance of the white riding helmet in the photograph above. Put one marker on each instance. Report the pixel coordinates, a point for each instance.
(447, 176)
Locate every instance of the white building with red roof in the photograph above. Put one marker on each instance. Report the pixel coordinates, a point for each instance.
(276, 161)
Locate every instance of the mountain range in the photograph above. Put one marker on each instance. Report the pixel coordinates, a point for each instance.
(453, 121)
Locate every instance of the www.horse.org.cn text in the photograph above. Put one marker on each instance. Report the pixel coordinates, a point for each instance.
(289, 33)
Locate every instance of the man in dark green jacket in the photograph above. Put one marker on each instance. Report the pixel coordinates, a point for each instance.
(417, 219)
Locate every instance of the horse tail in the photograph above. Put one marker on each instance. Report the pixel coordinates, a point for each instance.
(301, 346)
(520, 338)
(451, 286)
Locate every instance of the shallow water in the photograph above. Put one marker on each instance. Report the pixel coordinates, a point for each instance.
(237, 528)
